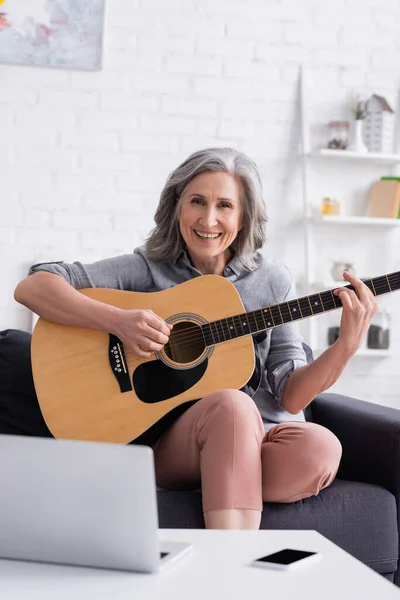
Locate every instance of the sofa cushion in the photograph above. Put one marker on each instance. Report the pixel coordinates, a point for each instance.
(19, 407)
(361, 518)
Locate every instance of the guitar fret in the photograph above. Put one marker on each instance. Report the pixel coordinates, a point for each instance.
(320, 297)
(276, 315)
(227, 331)
(215, 333)
(285, 312)
(261, 324)
(309, 302)
(207, 334)
(370, 284)
(221, 329)
(238, 325)
(295, 309)
(280, 312)
(382, 285)
(245, 323)
(327, 300)
(253, 322)
(394, 280)
(304, 303)
(336, 299)
(267, 316)
(315, 304)
(232, 327)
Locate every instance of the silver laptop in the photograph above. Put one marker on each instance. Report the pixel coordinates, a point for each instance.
(82, 503)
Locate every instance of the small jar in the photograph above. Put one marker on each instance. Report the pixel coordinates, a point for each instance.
(338, 135)
(378, 337)
(333, 335)
(330, 206)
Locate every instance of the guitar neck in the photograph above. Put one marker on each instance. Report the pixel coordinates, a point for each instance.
(259, 320)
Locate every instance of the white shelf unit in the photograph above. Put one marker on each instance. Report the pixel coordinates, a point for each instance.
(366, 221)
(363, 352)
(312, 218)
(369, 157)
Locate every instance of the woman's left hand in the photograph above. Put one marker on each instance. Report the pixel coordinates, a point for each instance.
(359, 307)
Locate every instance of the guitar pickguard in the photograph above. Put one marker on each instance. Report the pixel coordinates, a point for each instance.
(155, 381)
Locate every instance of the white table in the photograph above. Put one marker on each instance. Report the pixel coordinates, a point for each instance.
(217, 568)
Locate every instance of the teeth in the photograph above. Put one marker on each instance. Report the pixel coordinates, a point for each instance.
(208, 235)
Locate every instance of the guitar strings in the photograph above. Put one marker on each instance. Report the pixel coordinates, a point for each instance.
(185, 338)
(194, 333)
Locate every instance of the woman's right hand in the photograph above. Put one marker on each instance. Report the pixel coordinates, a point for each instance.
(142, 331)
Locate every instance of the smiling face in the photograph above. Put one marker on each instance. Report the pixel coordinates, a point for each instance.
(210, 219)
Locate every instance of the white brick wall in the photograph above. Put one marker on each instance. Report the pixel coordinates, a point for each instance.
(83, 155)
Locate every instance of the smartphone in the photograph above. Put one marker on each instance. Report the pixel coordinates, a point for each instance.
(286, 559)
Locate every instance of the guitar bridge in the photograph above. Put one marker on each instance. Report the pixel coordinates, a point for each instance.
(118, 364)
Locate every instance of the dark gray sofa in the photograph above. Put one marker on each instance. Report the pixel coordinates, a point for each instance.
(359, 512)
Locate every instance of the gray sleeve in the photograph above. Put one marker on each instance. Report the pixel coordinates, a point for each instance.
(126, 272)
(286, 350)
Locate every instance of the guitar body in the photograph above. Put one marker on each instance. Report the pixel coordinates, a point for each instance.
(90, 388)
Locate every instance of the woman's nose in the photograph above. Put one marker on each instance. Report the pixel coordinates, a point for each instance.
(209, 218)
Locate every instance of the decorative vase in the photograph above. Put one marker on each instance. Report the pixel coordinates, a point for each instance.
(339, 267)
(378, 337)
(357, 142)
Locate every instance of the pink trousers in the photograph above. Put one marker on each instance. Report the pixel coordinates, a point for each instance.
(219, 444)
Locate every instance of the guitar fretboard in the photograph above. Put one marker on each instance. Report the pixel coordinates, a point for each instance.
(269, 317)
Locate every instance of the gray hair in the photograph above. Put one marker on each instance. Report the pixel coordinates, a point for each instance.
(166, 242)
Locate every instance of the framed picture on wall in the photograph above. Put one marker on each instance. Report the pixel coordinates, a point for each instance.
(52, 33)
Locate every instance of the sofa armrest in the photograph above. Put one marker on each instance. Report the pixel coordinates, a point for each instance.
(370, 437)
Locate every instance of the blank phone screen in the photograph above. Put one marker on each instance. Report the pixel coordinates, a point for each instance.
(285, 557)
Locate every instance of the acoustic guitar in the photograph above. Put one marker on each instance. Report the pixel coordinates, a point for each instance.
(90, 387)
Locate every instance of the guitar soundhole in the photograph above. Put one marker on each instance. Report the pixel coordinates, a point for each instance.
(186, 342)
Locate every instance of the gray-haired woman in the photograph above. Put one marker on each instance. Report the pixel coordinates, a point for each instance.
(242, 449)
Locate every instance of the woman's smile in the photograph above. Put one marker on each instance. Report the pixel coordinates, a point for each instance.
(207, 236)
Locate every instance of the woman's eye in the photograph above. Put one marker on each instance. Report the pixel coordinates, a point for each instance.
(202, 201)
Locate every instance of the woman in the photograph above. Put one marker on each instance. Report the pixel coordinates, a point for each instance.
(243, 450)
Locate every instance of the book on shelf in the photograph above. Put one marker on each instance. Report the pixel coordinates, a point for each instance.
(384, 198)
(392, 178)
